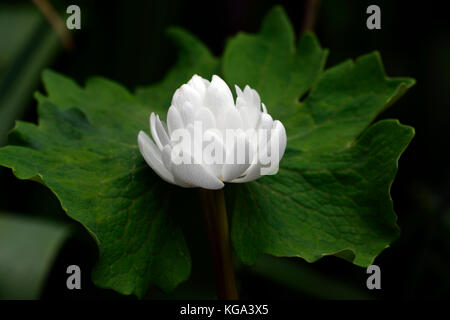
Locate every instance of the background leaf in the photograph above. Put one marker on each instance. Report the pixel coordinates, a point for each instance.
(23, 56)
(28, 248)
(300, 276)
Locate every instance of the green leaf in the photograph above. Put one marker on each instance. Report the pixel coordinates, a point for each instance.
(331, 195)
(28, 248)
(345, 100)
(341, 102)
(322, 204)
(271, 63)
(84, 149)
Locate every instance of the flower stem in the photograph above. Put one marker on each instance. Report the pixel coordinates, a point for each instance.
(56, 22)
(309, 16)
(215, 213)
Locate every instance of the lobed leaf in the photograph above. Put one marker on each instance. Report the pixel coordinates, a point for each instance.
(323, 204)
(84, 149)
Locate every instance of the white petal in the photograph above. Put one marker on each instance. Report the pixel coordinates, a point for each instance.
(166, 160)
(238, 91)
(206, 117)
(153, 130)
(159, 134)
(256, 100)
(222, 86)
(186, 93)
(240, 102)
(250, 117)
(166, 157)
(278, 135)
(207, 82)
(230, 120)
(251, 97)
(265, 121)
(264, 108)
(177, 98)
(213, 143)
(253, 173)
(187, 113)
(218, 96)
(191, 174)
(248, 95)
(174, 120)
(152, 156)
(234, 167)
(198, 84)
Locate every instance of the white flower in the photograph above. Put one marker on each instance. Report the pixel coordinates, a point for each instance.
(199, 121)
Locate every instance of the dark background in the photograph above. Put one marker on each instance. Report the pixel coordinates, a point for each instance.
(125, 41)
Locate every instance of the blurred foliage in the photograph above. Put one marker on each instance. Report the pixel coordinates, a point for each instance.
(28, 248)
(27, 45)
(127, 42)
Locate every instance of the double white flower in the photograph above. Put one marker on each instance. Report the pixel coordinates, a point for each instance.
(254, 149)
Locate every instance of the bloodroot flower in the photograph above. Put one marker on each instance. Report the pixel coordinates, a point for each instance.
(209, 139)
